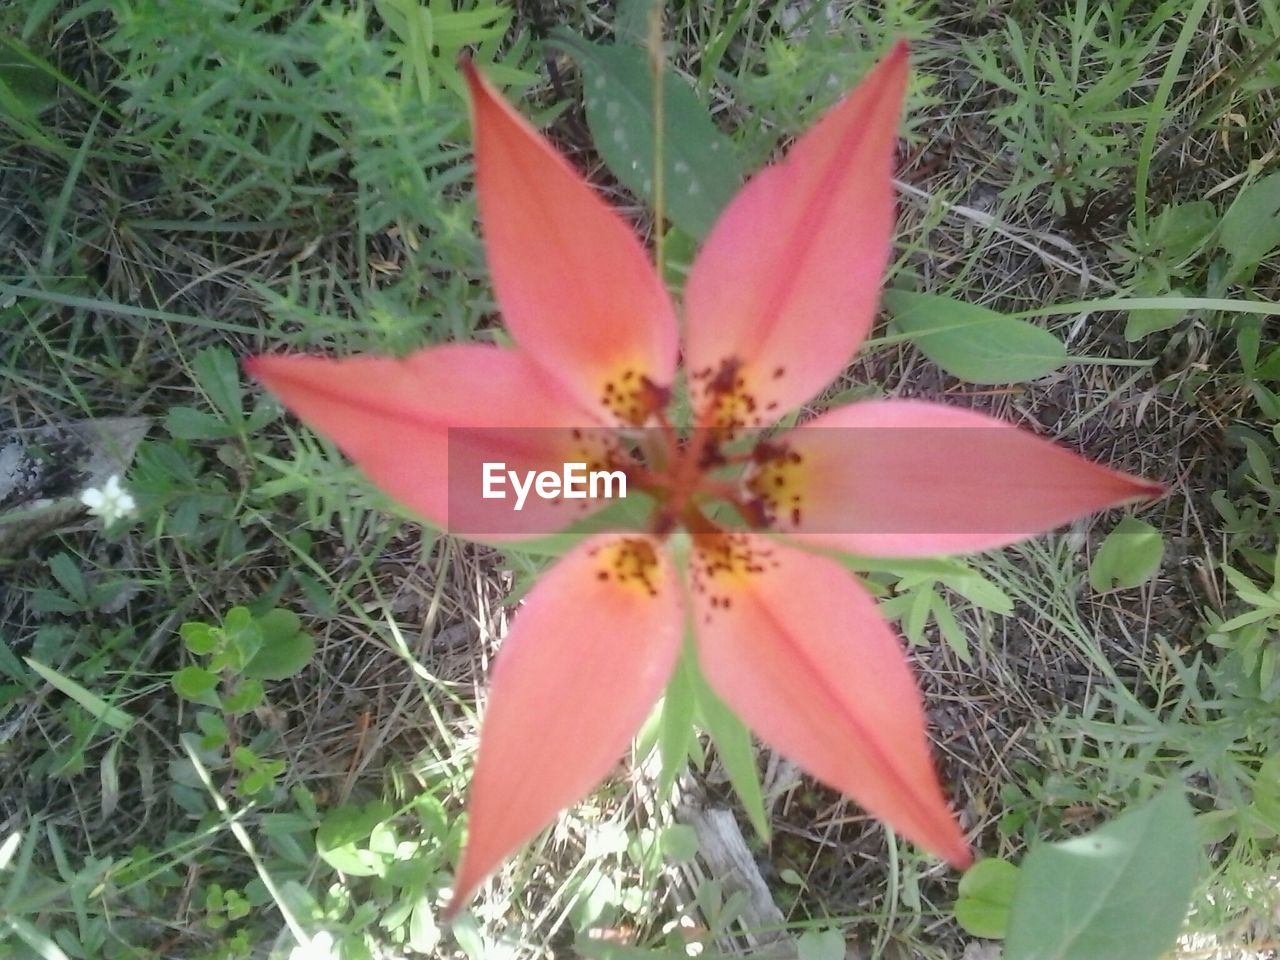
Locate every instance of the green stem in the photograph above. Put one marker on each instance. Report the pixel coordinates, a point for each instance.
(659, 135)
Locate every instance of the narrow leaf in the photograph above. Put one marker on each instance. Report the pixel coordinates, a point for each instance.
(737, 753)
(676, 725)
(974, 343)
(112, 716)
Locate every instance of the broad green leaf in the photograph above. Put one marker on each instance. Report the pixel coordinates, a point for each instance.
(631, 21)
(1128, 557)
(112, 716)
(985, 895)
(26, 91)
(701, 171)
(286, 648)
(197, 685)
(974, 343)
(1142, 323)
(247, 695)
(1118, 893)
(733, 743)
(1251, 228)
(200, 638)
(1181, 227)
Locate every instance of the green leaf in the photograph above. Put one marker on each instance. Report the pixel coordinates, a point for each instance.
(1151, 281)
(1248, 342)
(679, 843)
(1251, 228)
(733, 743)
(917, 617)
(631, 21)
(1118, 893)
(243, 637)
(951, 630)
(676, 726)
(1128, 557)
(974, 343)
(218, 374)
(247, 695)
(701, 171)
(69, 576)
(339, 838)
(979, 591)
(200, 638)
(112, 716)
(197, 685)
(188, 423)
(820, 945)
(26, 91)
(986, 893)
(1142, 323)
(286, 648)
(1182, 227)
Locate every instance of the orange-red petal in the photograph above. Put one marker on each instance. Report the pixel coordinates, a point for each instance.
(576, 288)
(798, 649)
(903, 478)
(786, 287)
(422, 425)
(587, 656)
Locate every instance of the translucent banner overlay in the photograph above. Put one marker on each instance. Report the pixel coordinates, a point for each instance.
(839, 480)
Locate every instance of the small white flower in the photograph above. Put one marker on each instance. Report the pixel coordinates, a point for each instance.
(111, 503)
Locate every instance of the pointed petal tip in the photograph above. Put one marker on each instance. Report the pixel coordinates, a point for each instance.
(259, 365)
(264, 366)
(960, 856)
(1140, 489)
(1151, 490)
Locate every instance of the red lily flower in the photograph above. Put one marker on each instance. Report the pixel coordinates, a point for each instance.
(780, 296)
